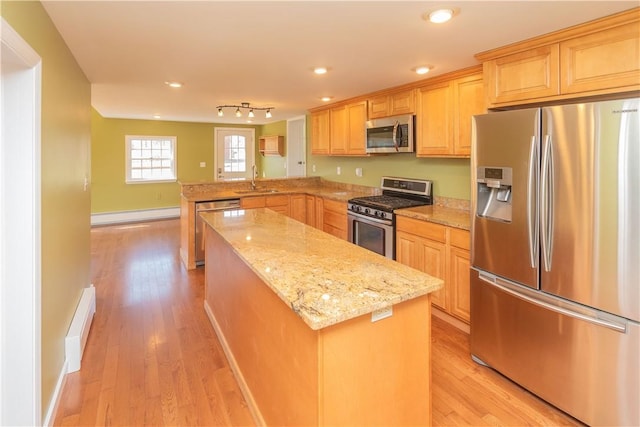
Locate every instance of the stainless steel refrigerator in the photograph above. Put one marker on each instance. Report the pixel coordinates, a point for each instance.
(555, 278)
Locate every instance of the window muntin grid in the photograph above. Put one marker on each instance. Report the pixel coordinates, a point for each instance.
(151, 158)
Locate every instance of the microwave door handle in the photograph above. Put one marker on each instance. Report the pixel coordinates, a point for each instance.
(395, 134)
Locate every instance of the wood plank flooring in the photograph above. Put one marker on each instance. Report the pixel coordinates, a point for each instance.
(152, 357)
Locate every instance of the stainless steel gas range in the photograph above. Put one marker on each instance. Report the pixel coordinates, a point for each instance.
(371, 218)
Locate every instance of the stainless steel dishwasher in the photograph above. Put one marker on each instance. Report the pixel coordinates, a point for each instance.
(214, 205)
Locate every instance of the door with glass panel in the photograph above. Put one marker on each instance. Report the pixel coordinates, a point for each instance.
(234, 153)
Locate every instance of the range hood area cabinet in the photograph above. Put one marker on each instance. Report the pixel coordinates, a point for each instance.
(271, 145)
(600, 57)
(397, 103)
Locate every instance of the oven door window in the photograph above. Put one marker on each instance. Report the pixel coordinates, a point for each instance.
(369, 236)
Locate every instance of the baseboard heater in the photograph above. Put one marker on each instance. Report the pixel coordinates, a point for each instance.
(79, 329)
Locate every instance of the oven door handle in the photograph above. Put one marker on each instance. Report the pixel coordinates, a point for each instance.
(368, 218)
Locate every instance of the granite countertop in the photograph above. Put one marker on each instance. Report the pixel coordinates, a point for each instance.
(457, 218)
(325, 280)
(197, 192)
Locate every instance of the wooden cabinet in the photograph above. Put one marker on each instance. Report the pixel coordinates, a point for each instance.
(444, 116)
(253, 202)
(334, 218)
(298, 207)
(391, 104)
(524, 75)
(347, 129)
(599, 57)
(320, 135)
(278, 203)
(442, 252)
(272, 145)
(607, 59)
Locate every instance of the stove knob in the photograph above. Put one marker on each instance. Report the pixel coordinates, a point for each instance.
(366, 211)
(379, 214)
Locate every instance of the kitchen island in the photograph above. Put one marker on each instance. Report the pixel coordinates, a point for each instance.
(318, 331)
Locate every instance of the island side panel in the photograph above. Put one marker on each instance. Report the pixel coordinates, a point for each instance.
(273, 350)
(378, 373)
(187, 233)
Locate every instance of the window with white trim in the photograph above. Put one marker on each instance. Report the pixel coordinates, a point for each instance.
(150, 158)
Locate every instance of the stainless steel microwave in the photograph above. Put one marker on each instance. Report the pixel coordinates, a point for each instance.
(391, 134)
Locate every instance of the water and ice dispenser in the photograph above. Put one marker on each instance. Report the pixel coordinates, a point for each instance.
(494, 193)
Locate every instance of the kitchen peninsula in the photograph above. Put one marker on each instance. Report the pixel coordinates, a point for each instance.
(317, 330)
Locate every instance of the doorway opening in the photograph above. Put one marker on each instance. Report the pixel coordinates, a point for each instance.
(20, 259)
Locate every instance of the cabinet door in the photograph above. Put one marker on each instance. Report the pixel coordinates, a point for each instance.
(356, 136)
(603, 60)
(310, 210)
(525, 75)
(298, 207)
(469, 99)
(435, 121)
(434, 262)
(401, 103)
(338, 128)
(377, 107)
(407, 252)
(319, 213)
(320, 132)
(459, 290)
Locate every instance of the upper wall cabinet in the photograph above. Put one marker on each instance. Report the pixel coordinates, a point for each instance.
(444, 116)
(391, 104)
(347, 129)
(600, 57)
(320, 132)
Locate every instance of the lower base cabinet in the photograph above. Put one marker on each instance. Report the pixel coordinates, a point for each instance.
(442, 252)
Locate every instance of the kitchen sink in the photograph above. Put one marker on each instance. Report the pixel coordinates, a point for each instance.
(257, 191)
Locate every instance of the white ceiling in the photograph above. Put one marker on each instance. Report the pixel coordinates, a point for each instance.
(262, 52)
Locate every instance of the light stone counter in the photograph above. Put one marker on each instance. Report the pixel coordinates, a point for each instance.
(457, 218)
(325, 280)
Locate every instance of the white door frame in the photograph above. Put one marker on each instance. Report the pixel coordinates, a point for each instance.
(290, 160)
(251, 150)
(20, 249)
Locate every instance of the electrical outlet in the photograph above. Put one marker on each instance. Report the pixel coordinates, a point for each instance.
(338, 170)
(359, 172)
(313, 168)
(383, 313)
(203, 164)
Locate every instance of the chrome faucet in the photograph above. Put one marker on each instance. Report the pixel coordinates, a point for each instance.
(253, 177)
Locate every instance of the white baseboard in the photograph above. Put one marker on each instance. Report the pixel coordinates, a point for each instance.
(79, 330)
(134, 216)
(50, 416)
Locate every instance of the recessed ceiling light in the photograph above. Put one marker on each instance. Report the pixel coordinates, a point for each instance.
(441, 15)
(326, 98)
(424, 69)
(320, 70)
(157, 116)
(173, 84)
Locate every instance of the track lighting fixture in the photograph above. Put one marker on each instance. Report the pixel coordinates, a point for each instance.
(245, 106)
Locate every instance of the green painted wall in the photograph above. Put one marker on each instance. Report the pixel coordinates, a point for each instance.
(65, 162)
(273, 166)
(110, 193)
(451, 177)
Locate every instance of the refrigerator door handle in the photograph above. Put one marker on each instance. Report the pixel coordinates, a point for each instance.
(532, 203)
(508, 288)
(546, 203)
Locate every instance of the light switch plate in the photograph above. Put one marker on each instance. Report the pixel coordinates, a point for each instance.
(203, 164)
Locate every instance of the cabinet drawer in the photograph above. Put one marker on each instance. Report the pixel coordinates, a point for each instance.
(277, 201)
(459, 238)
(252, 202)
(424, 229)
(335, 206)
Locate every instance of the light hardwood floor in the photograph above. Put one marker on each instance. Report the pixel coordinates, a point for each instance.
(152, 357)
